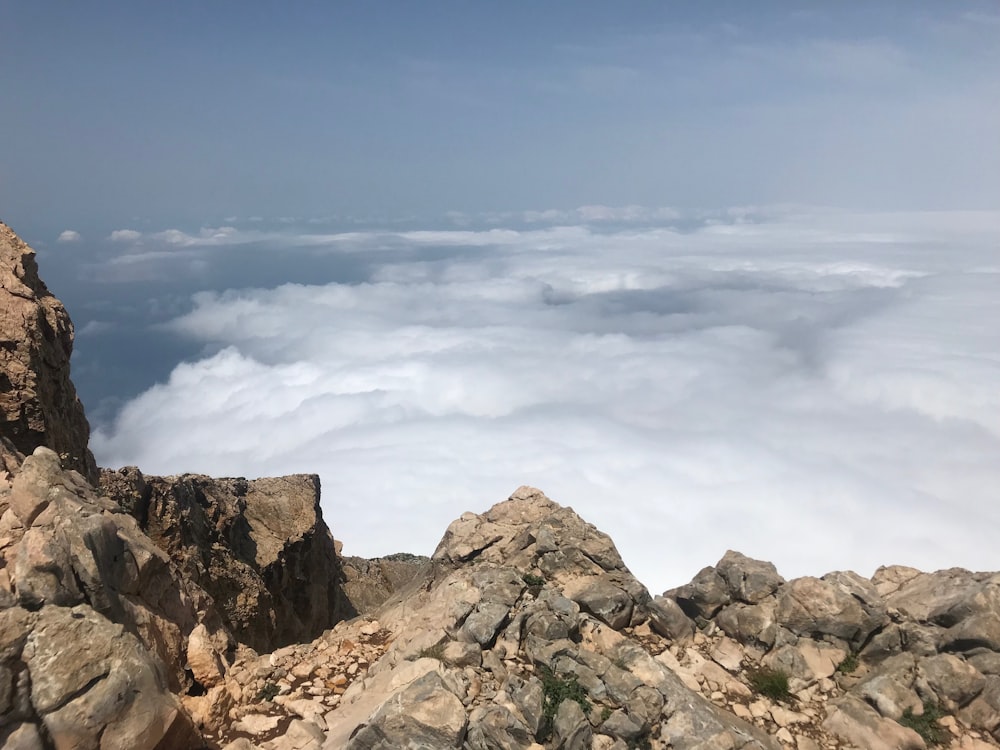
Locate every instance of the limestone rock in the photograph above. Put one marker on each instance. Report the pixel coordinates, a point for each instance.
(748, 580)
(425, 714)
(260, 548)
(83, 681)
(811, 605)
(38, 403)
(853, 722)
(369, 583)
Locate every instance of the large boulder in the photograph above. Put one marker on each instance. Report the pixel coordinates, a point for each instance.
(94, 621)
(38, 403)
(259, 547)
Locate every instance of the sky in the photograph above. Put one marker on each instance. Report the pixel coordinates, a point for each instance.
(717, 275)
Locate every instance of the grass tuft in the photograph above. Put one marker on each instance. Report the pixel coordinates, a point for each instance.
(267, 693)
(555, 690)
(772, 683)
(925, 724)
(849, 664)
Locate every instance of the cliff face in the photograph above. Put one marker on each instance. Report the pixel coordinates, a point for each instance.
(38, 403)
(259, 547)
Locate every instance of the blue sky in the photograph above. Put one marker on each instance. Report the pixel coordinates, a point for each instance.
(719, 275)
(189, 112)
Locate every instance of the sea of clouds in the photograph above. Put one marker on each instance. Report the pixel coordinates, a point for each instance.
(816, 388)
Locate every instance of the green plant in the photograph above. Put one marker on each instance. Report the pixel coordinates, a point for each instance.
(849, 664)
(432, 652)
(605, 713)
(267, 693)
(555, 690)
(925, 724)
(642, 742)
(532, 580)
(772, 683)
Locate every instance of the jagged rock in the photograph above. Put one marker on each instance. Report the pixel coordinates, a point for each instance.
(86, 681)
(854, 722)
(369, 583)
(812, 605)
(704, 596)
(111, 692)
(424, 714)
(82, 549)
(749, 623)
(984, 710)
(534, 661)
(748, 580)
(259, 548)
(951, 682)
(668, 619)
(38, 403)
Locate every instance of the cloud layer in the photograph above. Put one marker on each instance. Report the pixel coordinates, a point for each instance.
(818, 390)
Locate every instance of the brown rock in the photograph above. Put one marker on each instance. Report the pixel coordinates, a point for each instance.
(94, 685)
(856, 723)
(38, 403)
(369, 583)
(808, 606)
(259, 548)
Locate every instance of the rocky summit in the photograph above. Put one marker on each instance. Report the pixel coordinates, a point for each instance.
(38, 403)
(146, 612)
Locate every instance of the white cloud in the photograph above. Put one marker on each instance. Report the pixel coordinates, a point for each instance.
(125, 235)
(818, 390)
(68, 235)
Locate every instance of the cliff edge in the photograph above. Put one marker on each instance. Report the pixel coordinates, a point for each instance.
(38, 403)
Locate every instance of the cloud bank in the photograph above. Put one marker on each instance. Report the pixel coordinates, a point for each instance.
(818, 390)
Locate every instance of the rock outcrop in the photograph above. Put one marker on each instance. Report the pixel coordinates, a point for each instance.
(94, 621)
(527, 632)
(259, 548)
(370, 583)
(867, 662)
(38, 403)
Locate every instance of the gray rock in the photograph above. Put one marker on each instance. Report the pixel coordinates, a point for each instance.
(889, 697)
(599, 596)
(750, 624)
(462, 654)
(494, 727)
(92, 683)
(983, 712)
(748, 580)
(857, 724)
(668, 619)
(811, 606)
(953, 682)
(424, 715)
(987, 662)
(978, 630)
(570, 727)
(529, 697)
(707, 593)
(620, 724)
(484, 621)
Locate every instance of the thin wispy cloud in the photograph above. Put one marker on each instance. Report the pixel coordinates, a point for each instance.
(125, 235)
(781, 387)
